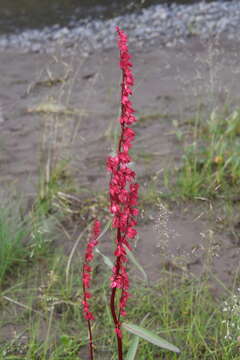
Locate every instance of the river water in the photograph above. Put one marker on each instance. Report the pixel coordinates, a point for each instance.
(18, 15)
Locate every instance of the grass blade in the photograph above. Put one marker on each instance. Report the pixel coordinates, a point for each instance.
(73, 251)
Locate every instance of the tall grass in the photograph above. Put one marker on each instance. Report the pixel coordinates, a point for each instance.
(23, 237)
(14, 230)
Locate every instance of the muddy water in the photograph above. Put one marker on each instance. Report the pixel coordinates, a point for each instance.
(17, 15)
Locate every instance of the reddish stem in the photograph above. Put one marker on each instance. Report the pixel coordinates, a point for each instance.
(112, 306)
(91, 357)
(117, 324)
(90, 341)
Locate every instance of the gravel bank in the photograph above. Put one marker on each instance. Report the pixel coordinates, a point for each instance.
(156, 25)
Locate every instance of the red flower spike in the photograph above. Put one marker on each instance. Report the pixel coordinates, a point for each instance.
(86, 278)
(131, 233)
(123, 192)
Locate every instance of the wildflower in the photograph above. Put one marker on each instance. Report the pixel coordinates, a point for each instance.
(87, 269)
(123, 190)
(86, 278)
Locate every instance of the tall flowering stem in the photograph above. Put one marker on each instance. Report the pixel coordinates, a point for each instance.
(123, 192)
(86, 278)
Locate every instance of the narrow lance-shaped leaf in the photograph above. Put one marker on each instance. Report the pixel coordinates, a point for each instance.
(133, 348)
(136, 263)
(135, 342)
(150, 337)
(106, 259)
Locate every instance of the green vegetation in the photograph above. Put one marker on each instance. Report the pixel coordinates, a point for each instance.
(211, 162)
(22, 238)
(179, 308)
(13, 232)
(46, 311)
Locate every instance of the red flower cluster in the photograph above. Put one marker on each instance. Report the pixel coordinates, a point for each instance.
(87, 269)
(123, 190)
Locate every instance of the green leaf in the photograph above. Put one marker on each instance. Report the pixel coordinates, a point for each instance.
(106, 259)
(136, 263)
(149, 336)
(134, 345)
(133, 348)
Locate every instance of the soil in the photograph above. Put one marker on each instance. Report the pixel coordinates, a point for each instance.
(66, 106)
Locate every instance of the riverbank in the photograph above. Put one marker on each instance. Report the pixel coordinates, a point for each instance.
(158, 25)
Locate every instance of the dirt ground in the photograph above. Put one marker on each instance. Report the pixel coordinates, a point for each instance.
(67, 106)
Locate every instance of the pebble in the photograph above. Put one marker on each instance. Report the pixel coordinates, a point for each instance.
(158, 24)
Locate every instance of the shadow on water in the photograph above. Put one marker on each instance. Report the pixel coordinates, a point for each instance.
(18, 15)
